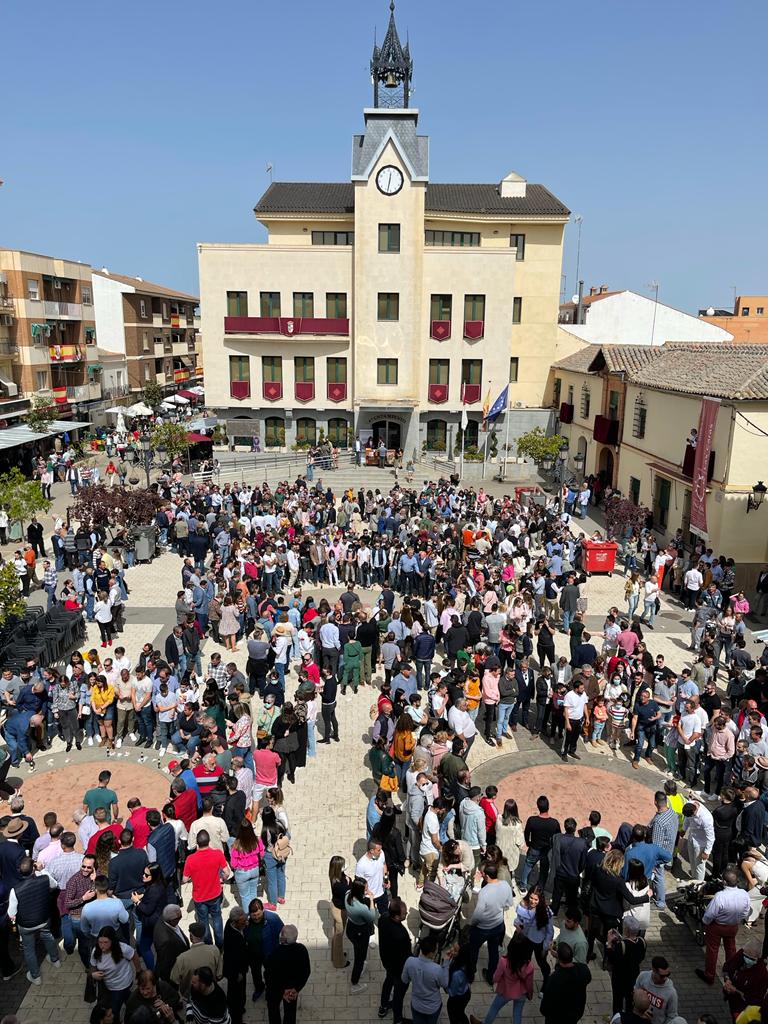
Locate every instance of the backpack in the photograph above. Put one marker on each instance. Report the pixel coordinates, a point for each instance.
(282, 849)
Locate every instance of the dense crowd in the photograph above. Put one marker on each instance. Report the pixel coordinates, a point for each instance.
(450, 605)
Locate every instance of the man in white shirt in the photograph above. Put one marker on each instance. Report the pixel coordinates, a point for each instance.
(372, 867)
(207, 822)
(689, 731)
(727, 910)
(693, 581)
(574, 704)
(430, 847)
(699, 831)
(461, 722)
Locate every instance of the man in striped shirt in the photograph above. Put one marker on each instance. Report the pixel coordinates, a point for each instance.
(664, 827)
(50, 581)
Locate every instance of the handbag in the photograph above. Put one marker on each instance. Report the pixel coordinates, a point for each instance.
(389, 783)
(282, 849)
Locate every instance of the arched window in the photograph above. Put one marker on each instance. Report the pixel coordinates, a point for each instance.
(274, 432)
(437, 435)
(337, 432)
(306, 431)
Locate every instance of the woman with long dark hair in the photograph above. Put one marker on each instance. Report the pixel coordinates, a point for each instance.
(340, 884)
(285, 730)
(461, 973)
(512, 980)
(274, 839)
(246, 855)
(388, 834)
(534, 921)
(361, 918)
(114, 964)
(149, 906)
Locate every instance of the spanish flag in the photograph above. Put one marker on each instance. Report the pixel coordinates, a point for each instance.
(486, 407)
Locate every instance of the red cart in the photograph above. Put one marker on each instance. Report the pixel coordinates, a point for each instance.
(599, 556)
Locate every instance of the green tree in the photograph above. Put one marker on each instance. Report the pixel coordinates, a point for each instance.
(21, 498)
(172, 437)
(12, 604)
(153, 394)
(537, 445)
(41, 414)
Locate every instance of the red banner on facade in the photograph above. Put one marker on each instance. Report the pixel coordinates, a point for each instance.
(707, 422)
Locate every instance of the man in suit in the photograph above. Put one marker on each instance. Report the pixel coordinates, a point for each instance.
(526, 688)
(169, 941)
(287, 972)
(761, 605)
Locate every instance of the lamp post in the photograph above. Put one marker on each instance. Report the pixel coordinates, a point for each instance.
(578, 462)
(755, 499)
(562, 460)
(142, 457)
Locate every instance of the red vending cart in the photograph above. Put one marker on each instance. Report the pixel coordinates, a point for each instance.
(599, 556)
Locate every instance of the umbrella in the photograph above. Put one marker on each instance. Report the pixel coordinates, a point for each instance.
(198, 390)
(204, 423)
(120, 426)
(167, 405)
(178, 400)
(198, 439)
(139, 409)
(115, 410)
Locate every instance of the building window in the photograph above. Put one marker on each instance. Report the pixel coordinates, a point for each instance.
(389, 238)
(440, 307)
(42, 380)
(638, 423)
(614, 402)
(586, 401)
(33, 290)
(239, 368)
(558, 387)
(333, 238)
(274, 432)
(634, 490)
(336, 369)
(386, 371)
(237, 303)
(337, 432)
(760, 310)
(269, 303)
(437, 435)
(336, 305)
(303, 304)
(304, 369)
(745, 311)
(570, 394)
(389, 306)
(452, 238)
(145, 341)
(514, 369)
(518, 242)
(474, 307)
(471, 371)
(517, 309)
(471, 434)
(142, 309)
(439, 370)
(146, 371)
(272, 369)
(306, 431)
(87, 299)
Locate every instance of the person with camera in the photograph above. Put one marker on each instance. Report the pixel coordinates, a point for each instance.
(161, 999)
(727, 910)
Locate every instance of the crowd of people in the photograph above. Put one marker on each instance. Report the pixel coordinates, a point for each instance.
(470, 595)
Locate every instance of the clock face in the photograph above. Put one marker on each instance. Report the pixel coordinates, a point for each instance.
(389, 180)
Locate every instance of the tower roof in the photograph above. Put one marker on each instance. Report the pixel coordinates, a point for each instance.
(391, 63)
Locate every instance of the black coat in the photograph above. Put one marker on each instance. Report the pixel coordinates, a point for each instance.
(168, 948)
(287, 967)
(235, 951)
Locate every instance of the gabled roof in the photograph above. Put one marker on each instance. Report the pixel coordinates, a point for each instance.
(579, 361)
(626, 359)
(379, 130)
(147, 287)
(339, 198)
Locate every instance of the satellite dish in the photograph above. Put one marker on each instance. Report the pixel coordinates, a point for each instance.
(574, 299)
(711, 311)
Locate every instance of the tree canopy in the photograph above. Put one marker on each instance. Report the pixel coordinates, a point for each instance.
(12, 604)
(20, 497)
(536, 445)
(116, 507)
(172, 436)
(41, 413)
(153, 394)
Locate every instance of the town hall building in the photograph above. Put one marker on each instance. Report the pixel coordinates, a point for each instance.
(385, 305)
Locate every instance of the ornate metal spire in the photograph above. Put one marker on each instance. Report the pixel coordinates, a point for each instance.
(392, 68)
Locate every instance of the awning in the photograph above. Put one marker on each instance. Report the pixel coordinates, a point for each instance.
(191, 395)
(673, 473)
(57, 426)
(94, 367)
(199, 439)
(12, 437)
(204, 423)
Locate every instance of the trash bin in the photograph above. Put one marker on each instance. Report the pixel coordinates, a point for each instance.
(599, 556)
(145, 542)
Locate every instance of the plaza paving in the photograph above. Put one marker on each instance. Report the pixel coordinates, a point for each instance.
(327, 811)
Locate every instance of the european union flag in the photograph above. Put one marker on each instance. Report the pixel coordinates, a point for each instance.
(499, 406)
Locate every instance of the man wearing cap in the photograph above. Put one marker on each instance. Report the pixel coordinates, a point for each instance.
(727, 910)
(11, 851)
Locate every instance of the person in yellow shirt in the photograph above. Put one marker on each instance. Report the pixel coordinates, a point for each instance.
(102, 707)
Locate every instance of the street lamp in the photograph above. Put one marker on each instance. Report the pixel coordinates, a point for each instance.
(755, 499)
(562, 459)
(143, 457)
(578, 461)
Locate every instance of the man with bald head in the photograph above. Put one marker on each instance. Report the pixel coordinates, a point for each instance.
(287, 971)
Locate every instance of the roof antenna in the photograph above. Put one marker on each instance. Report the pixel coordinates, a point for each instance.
(270, 169)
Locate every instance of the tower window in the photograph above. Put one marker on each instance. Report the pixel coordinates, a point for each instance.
(389, 306)
(389, 238)
(386, 371)
(518, 242)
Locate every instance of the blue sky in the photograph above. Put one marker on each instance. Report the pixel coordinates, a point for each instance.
(131, 133)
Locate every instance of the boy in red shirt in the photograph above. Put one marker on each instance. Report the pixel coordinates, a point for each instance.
(491, 813)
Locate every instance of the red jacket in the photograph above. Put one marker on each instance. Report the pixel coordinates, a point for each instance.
(138, 824)
(491, 814)
(185, 805)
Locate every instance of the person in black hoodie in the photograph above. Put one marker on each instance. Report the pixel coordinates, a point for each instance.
(287, 972)
(234, 806)
(388, 834)
(394, 949)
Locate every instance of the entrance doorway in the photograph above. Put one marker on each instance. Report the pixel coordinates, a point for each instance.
(387, 430)
(605, 468)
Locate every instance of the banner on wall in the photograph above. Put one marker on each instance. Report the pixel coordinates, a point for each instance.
(707, 422)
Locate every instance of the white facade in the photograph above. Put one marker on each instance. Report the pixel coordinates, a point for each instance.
(108, 312)
(628, 318)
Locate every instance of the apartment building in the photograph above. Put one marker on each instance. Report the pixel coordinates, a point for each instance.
(748, 322)
(47, 332)
(385, 305)
(151, 328)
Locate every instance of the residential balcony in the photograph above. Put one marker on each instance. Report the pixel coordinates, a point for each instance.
(7, 304)
(689, 462)
(65, 353)
(90, 392)
(116, 392)
(59, 310)
(606, 431)
(566, 412)
(8, 348)
(288, 326)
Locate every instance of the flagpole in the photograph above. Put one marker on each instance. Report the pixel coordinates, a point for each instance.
(506, 438)
(487, 432)
(463, 435)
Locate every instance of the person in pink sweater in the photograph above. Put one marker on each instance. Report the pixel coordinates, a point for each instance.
(490, 702)
(512, 981)
(720, 751)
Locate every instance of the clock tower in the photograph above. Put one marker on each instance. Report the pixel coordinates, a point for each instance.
(390, 171)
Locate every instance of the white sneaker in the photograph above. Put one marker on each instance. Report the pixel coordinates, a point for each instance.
(373, 941)
(53, 963)
(132, 737)
(118, 743)
(39, 981)
(355, 988)
(90, 741)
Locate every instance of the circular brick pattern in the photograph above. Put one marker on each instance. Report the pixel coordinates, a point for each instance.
(574, 790)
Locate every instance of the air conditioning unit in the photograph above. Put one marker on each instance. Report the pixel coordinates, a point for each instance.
(56, 283)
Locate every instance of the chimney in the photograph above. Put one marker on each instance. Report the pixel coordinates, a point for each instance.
(593, 290)
(513, 186)
(603, 289)
(104, 270)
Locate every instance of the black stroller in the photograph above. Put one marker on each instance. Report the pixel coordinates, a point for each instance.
(440, 912)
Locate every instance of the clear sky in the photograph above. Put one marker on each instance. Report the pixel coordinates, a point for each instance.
(132, 131)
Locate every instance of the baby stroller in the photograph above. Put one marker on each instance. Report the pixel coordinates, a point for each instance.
(440, 913)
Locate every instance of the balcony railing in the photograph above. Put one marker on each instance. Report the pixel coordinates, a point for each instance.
(73, 310)
(6, 304)
(65, 353)
(84, 392)
(7, 348)
(116, 392)
(605, 430)
(288, 326)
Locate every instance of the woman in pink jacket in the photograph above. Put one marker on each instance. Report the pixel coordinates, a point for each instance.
(512, 981)
(491, 703)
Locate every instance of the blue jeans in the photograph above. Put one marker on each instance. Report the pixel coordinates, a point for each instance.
(280, 669)
(144, 946)
(597, 730)
(145, 723)
(247, 886)
(246, 754)
(505, 710)
(424, 1018)
(311, 740)
(658, 885)
(567, 616)
(493, 937)
(641, 736)
(497, 1005)
(72, 935)
(183, 746)
(632, 605)
(275, 877)
(649, 611)
(28, 941)
(89, 602)
(196, 662)
(531, 860)
(210, 911)
(423, 669)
